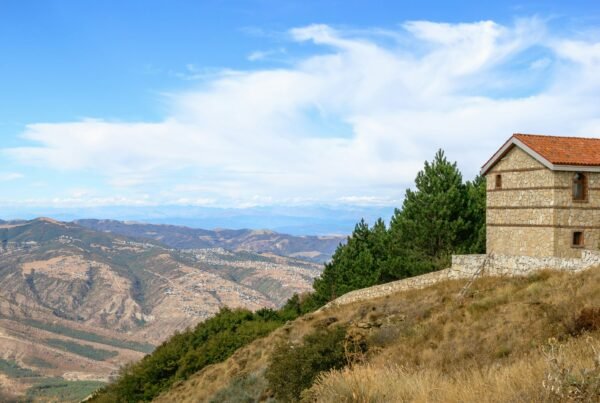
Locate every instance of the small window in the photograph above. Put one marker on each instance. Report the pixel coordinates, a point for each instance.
(579, 186)
(578, 239)
(498, 181)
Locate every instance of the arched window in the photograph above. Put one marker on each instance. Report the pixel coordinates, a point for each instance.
(498, 181)
(579, 186)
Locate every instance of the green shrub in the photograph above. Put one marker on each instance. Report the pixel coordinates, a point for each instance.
(293, 368)
(210, 342)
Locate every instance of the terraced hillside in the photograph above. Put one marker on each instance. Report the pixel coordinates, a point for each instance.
(76, 304)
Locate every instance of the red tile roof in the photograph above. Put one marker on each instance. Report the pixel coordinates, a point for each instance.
(563, 150)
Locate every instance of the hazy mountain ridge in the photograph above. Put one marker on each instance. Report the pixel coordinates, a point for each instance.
(66, 290)
(314, 248)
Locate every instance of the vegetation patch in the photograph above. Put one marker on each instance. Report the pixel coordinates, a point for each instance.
(293, 368)
(587, 321)
(211, 341)
(243, 390)
(87, 336)
(61, 390)
(14, 370)
(83, 350)
(38, 362)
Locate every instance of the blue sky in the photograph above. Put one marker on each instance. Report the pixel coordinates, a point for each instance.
(271, 103)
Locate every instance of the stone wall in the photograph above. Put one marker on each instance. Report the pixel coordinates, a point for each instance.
(533, 213)
(467, 266)
(573, 215)
(516, 159)
(519, 214)
(508, 265)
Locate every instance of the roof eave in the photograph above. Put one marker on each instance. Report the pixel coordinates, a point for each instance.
(513, 141)
(578, 168)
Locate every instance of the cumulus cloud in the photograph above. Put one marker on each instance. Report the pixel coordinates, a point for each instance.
(351, 123)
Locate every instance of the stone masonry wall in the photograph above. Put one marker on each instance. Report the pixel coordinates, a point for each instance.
(516, 225)
(571, 215)
(466, 266)
(533, 212)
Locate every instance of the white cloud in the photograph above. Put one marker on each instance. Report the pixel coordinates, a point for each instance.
(359, 118)
(10, 176)
(259, 55)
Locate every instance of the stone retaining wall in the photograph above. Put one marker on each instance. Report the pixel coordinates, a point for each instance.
(466, 266)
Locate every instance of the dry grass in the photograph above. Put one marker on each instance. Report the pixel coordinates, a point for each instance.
(560, 372)
(428, 346)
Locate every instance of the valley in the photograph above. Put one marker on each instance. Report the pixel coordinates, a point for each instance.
(76, 304)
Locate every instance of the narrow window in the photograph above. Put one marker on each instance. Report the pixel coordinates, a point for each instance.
(498, 181)
(578, 238)
(579, 186)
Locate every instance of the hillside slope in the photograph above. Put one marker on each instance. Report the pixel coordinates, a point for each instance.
(317, 249)
(510, 339)
(76, 304)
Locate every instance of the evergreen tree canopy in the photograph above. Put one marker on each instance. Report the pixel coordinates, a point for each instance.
(440, 217)
(432, 218)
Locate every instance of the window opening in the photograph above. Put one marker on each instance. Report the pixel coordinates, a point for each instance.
(579, 186)
(577, 238)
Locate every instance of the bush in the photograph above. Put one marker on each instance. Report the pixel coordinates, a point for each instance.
(211, 341)
(587, 321)
(245, 389)
(293, 368)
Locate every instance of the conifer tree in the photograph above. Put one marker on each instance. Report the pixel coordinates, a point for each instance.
(355, 264)
(475, 216)
(431, 224)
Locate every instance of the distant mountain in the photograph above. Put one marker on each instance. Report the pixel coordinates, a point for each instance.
(76, 303)
(295, 220)
(313, 248)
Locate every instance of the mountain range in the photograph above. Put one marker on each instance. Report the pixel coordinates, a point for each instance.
(78, 300)
(313, 248)
(295, 220)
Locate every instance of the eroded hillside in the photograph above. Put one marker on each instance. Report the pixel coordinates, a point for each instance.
(76, 304)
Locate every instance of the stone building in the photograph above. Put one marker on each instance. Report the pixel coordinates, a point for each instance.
(543, 196)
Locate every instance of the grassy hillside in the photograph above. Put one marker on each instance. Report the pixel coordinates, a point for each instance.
(511, 339)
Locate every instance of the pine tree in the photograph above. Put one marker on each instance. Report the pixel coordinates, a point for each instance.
(357, 264)
(441, 217)
(475, 216)
(432, 224)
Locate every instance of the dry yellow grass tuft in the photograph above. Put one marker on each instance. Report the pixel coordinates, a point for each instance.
(560, 372)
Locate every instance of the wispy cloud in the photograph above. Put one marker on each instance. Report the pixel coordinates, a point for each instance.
(271, 54)
(10, 176)
(357, 118)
